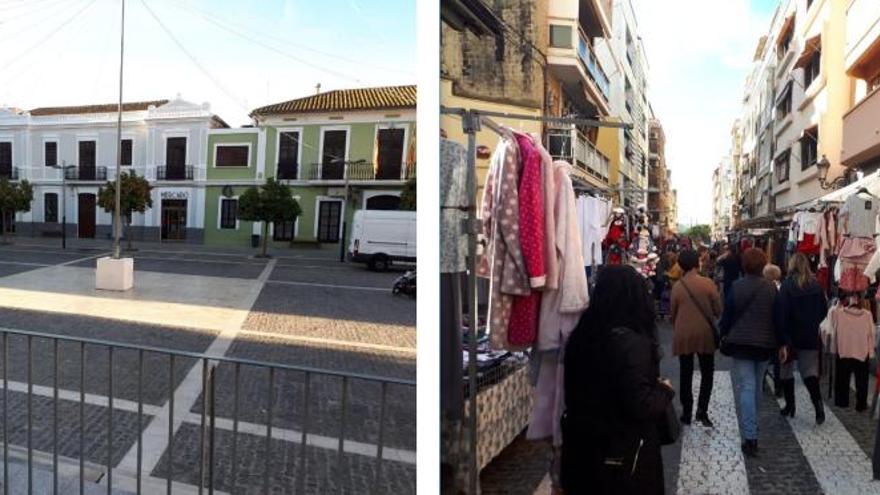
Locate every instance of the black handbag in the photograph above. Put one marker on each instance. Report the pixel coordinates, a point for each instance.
(725, 346)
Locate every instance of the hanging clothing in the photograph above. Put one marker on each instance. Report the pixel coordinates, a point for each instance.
(523, 327)
(592, 214)
(551, 264)
(854, 332)
(855, 256)
(859, 369)
(502, 261)
(829, 236)
(453, 197)
(859, 215)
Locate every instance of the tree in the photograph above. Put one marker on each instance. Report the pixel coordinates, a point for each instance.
(271, 202)
(135, 197)
(408, 195)
(14, 197)
(700, 232)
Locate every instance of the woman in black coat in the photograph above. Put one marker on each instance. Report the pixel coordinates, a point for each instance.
(614, 398)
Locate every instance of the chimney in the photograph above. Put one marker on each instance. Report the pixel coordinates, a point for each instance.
(318, 88)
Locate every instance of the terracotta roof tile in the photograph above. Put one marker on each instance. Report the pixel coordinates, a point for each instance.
(132, 106)
(346, 99)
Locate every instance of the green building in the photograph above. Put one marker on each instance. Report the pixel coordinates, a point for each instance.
(340, 151)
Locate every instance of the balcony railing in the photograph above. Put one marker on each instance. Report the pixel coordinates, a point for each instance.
(861, 139)
(287, 171)
(174, 172)
(86, 172)
(357, 171)
(10, 173)
(572, 146)
(594, 69)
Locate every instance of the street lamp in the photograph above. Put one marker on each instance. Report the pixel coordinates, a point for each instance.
(63, 168)
(824, 166)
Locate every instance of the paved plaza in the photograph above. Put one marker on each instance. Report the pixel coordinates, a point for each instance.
(300, 308)
(796, 457)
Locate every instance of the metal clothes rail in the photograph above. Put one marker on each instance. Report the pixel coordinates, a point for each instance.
(471, 123)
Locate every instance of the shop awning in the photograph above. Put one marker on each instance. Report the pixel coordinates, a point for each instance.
(811, 46)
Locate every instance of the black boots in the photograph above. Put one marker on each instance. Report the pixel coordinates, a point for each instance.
(812, 384)
(750, 448)
(703, 418)
(788, 393)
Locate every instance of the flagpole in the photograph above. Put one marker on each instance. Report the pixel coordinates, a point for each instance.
(117, 224)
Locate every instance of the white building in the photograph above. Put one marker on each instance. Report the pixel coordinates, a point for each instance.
(164, 141)
(624, 55)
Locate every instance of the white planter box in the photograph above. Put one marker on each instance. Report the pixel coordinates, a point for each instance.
(114, 274)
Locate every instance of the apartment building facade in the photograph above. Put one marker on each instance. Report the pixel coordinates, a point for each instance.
(861, 125)
(339, 151)
(68, 153)
(623, 53)
(722, 199)
(659, 195)
(788, 144)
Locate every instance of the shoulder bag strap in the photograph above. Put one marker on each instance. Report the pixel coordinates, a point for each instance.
(699, 306)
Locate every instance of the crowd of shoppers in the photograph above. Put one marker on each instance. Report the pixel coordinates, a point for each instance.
(615, 398)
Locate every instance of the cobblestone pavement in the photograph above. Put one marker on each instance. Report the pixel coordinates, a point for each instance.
(796, 456)
(315, 312)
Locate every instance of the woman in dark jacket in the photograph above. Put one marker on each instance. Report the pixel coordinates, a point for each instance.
(750, 338)
(800, 308)
(614, 398)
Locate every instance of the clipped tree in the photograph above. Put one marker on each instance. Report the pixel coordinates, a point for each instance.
(135, 197)
(14, 197)
(271, 202)
(408, 195)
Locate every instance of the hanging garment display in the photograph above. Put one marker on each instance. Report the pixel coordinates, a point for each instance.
(829, 236)
(560, 311)
(858, 217)
(855, 255)
(594, 215)
(502, 261)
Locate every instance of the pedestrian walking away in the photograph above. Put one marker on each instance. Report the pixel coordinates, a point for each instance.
(615, 401)
(750, 337)
(695, 306)
(800, 308)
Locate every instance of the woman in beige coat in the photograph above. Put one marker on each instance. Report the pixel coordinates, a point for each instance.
(694, 307)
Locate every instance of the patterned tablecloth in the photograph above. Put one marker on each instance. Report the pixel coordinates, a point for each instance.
(502, 413)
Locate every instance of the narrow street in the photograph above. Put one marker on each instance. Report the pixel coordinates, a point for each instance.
(796, 456)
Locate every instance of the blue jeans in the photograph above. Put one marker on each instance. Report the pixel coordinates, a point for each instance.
(748, 389)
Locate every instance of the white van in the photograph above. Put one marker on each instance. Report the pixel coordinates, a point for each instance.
(380, 237)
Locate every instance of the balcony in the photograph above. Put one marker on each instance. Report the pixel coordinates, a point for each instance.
(573, 61)
(287, 171)
(174, 172)
(358, 171)
(9, 172)
(861, 131)
(86, 173)
(862, 38)
(572, 146)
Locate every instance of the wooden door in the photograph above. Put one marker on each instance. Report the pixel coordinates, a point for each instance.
(86, 216)
(87, 161)
(329, 220)
(175, 158)
(390, 154)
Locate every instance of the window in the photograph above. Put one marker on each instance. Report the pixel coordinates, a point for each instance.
(390, 153)
(126, 152)
(560, 36)
(809, 147)
(785, 37)
(283, 231)
(329, 219)
(333, 154)
(50, 208)
(50, 151)
(783, 103)
(782, 167)
(228, 213)
(6, 156)
(811, 70)
(288, 155)
(228, 155)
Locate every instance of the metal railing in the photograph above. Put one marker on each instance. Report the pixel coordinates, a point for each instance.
(591, 62)
(287, 171)
(86, 172)
(10, 173)
(174, 172)
(357, 171)
(46, 360)
(580, 151)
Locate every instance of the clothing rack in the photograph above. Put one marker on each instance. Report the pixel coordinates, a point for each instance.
(471, 123)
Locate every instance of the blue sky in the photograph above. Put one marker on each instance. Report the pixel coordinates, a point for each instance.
(62, 52)
(699, 54)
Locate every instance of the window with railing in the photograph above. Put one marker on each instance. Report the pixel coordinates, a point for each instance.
(811, 70)
(782, 165)
(809, 147)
